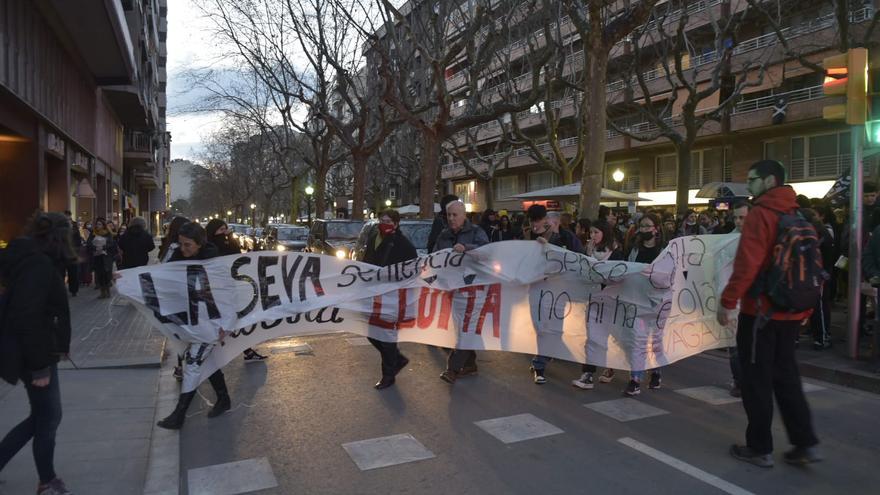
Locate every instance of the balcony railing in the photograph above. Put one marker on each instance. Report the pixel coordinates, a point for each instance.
(823, 167)
(138, 142)
(805, 94)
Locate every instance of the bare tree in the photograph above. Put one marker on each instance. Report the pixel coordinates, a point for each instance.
(423, 42)
(602, 24)
(697, 76)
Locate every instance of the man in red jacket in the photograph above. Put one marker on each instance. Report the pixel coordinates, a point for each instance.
(766, 344)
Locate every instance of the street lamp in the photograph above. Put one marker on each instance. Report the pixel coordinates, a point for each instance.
(618, 176)
(309, 191)
(388, 203)
(229, 214)
(253, 214)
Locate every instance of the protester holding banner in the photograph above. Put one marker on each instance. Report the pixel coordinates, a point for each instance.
(439, 221)
(545, 228)
(218, 234)
(646, 246)
(34, 334)
(462, 236)
(169, 242)
(193, 245)
(766, 336)
(386, 245)
(603, 246)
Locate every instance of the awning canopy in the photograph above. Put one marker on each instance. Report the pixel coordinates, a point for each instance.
(571, 192)
(714, 190)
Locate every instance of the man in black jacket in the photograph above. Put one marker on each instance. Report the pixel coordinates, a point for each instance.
(386, 245)
(136, 244)
(439, 221)
(194, 246)
(34, 335)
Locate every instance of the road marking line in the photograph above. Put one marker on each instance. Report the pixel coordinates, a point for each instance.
(684, 467)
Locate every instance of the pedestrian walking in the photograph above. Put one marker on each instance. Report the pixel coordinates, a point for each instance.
(462, 236)
(387, 245)
(193, 245)
(136, 244)
(646, 247)
(602, 245)
(102, 248)
(72, 269)
(218, 234)
(766, 333)
(440, 222)
(545, 228)
(34, 336)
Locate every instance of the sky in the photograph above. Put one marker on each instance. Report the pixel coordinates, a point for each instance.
(188, 43)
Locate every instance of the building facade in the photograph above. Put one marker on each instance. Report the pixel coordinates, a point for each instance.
(82, 110)
(779, 118)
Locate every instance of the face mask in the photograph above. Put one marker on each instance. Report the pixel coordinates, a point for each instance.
(386, 229)
(646, 236)
(691, 222)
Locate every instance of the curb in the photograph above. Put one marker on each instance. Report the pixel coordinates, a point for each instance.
(163, 465)
(851, 379)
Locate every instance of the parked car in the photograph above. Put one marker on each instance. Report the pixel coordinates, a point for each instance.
(416, 231)
(247, 238)
(286, 238)
(334, 237)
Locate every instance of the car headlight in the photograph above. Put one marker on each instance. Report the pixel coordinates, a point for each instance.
(282, 248)
(340, 253)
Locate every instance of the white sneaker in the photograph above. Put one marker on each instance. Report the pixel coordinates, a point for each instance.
(585, 381)
(607, 376)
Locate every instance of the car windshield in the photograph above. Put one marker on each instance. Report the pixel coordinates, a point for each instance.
(291, 234)
(417, 233)
(237, 227)
(343, 230)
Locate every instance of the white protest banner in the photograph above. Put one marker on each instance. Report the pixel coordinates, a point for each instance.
(514, 296)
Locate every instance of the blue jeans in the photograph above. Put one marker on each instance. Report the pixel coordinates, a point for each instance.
(638, 375)
(539, 362)
(41, 425)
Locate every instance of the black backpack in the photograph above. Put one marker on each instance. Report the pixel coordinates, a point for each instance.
(793, 281)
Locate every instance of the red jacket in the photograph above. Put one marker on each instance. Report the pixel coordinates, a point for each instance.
(753, 254)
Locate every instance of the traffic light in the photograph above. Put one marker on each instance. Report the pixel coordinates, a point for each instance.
(847, 75)
(873, 124)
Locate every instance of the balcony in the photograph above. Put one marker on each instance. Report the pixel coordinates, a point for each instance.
(163, 29)
(138, 150)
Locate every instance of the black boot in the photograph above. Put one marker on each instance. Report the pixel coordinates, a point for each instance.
(175, 420)
(223, 403)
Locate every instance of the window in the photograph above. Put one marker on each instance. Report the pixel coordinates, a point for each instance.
(542, 180)
(773, 150)
(506, 186)
(821, 156)
(665, 168)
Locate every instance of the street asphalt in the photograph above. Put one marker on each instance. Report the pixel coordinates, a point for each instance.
(296, 419)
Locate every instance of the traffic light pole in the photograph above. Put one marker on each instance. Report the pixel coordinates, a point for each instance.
(855, 241)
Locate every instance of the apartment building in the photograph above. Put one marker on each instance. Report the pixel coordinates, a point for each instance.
(82, 110)
(779, 118)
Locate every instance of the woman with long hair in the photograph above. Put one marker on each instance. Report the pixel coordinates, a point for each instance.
(169, 242)
(34, 336)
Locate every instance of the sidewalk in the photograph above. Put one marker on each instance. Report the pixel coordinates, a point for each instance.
(834, 365)
(106, 440)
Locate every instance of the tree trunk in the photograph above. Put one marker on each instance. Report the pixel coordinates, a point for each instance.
(594, 133)
(490, 194)
(428, 180)
(360, 171)
(320, 191)
(294, 199)
(567, 175)
(683, 184)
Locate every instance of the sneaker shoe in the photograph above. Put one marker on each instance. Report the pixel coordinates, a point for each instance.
(539, 377)
(607, 376)
(585, 381)
(746, 454)
(735, 391)
(801, 456)
(467, 371)
(633, 388)
(655, 381)
(448, 376)
(252, 356)
(54, 487)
